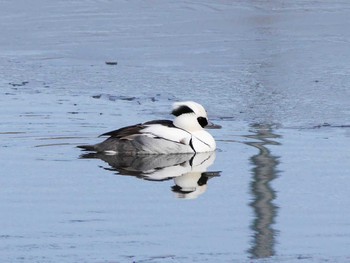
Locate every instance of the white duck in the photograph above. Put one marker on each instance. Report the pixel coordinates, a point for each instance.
(185, 134)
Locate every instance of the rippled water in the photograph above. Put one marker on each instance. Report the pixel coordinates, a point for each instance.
(274, 75)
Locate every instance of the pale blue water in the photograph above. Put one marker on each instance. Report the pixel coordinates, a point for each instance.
(275, 76)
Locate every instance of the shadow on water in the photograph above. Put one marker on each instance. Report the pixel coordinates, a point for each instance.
(188, 171)
(264, 172)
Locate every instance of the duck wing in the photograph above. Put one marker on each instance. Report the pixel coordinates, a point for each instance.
(136, 129)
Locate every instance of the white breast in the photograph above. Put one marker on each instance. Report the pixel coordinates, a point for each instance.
(202, 141)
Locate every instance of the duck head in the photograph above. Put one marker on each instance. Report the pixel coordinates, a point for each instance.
(190, 116)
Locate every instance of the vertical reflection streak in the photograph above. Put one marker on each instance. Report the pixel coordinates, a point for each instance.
(265, 211)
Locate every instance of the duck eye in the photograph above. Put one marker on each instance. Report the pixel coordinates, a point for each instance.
(202, 121)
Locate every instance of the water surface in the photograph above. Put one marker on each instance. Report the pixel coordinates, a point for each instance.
(274, 75)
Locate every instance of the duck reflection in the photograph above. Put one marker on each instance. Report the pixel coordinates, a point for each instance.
(189, 171)
(264, 171)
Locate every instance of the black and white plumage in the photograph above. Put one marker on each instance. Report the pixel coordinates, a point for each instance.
(185, 134)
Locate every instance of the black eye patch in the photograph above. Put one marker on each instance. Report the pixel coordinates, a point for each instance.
(182, 110)
(202, 121)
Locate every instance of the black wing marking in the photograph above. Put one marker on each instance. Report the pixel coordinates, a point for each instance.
(166, 123)
(136, 129)
(125, 131)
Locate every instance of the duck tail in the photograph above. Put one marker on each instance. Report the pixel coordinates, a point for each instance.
(87, 147)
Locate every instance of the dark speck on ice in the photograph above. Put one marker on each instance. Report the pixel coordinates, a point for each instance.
(111, 63)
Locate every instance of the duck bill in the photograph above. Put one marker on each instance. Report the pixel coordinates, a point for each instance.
(212, 125)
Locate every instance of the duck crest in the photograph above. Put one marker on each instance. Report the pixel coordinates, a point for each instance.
(189, 116)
